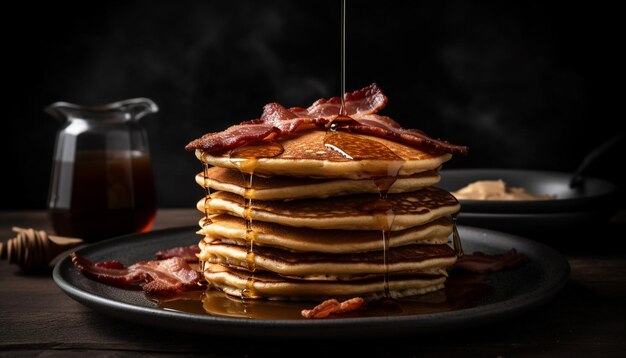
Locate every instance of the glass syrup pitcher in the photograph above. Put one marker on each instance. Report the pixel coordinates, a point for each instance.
(102, 183)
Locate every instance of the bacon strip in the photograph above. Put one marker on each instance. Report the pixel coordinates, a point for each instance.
(279, 122)
(411, 137)
(275, 122)
(482, 263)
(333, 306)
(232, 137)
(364, 101)
(188, 253)
(160, 278)
(286, 122)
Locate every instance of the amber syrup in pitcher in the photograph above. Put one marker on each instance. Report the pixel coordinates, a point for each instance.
(112, 193)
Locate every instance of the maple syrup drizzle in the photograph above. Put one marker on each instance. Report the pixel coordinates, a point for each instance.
(383, 165)
(342, 91)
(207, 197)
(246, 159)
(207, 194)
(456, 238)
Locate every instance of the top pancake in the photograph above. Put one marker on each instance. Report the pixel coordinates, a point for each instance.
(307, 156)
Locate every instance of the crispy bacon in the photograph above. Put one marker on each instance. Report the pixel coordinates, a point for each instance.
(482, 263)
(377, 121)
(411, 137)
(232, 137)
(160, 278)
(278, 122)
(188, 253)
(333, 306)
(286, 122)
(362, 102)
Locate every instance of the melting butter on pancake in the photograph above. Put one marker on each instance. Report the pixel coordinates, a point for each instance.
(349, 212)
(230, 229)
(284, 187)
(270, 286)
(307, 156)
(400, 259)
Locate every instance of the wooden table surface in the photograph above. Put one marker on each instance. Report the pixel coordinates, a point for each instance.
(586, 319)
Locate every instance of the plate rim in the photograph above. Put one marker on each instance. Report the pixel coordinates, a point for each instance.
(371, 325)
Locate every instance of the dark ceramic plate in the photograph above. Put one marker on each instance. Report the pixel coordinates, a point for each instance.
(591, 195)
(514, 292)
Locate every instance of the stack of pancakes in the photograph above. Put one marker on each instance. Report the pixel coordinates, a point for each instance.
(312, 220)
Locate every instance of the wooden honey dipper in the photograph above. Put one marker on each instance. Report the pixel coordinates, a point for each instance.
(34, 249)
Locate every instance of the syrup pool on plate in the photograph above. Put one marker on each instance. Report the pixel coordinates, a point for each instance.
(463, 290)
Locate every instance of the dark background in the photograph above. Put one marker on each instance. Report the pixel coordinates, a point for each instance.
(523, 84)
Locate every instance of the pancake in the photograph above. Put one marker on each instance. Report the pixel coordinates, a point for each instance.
(230, 229)
(321, 266)
(270, 286)
(307, 156)
(350, 212)
(284, 187)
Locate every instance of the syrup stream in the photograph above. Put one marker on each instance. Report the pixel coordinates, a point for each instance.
(342, 91)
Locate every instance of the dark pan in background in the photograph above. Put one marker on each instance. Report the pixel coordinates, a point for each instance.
(592, 201)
